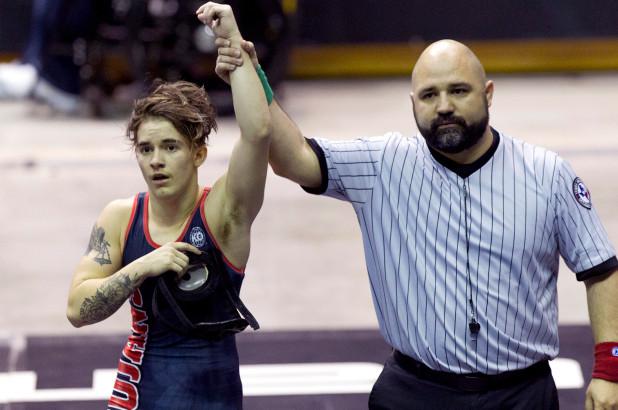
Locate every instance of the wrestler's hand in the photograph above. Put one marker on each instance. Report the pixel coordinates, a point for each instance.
(602, 395)
(220, 18)
(229, 57)
(169, 257)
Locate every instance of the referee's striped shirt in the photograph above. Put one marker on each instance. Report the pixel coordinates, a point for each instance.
(525, 207)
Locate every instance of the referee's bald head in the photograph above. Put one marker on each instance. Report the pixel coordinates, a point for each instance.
(448, 57)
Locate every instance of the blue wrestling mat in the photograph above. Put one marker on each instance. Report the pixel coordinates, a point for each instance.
(304, 370)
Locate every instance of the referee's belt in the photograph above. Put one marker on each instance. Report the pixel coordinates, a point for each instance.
(471, 382)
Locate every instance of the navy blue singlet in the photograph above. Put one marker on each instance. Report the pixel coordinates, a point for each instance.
(159, 368)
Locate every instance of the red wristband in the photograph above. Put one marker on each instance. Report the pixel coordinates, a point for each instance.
(606, 361)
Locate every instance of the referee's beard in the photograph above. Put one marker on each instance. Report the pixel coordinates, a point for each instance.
(458, 136)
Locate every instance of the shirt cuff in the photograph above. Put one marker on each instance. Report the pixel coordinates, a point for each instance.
(319, 152)
(605, 267)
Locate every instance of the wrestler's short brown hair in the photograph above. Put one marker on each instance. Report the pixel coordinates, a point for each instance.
(182, 103)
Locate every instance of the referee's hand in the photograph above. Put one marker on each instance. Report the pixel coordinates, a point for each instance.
(602, 395)
(229, 57)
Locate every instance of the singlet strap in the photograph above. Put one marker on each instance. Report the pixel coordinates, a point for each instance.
(236, 269)
(131, 219)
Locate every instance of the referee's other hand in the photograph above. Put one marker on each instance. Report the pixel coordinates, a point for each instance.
(602, 395)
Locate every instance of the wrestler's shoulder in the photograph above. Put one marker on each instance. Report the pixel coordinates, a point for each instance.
(118, 210)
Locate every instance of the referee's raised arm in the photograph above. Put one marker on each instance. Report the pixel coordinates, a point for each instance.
(291, 156)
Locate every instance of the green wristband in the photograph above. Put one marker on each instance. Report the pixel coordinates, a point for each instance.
(267, 90)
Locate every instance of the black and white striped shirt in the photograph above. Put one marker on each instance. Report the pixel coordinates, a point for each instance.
(428, 251)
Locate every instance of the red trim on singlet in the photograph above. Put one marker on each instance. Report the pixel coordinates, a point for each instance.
(130, 224)
(240, 271)
(125, 394)
(187, 224)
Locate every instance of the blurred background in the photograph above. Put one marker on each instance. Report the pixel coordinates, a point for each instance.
(71, 69)
(115, 49)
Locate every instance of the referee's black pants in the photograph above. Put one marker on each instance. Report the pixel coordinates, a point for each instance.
(401, 387)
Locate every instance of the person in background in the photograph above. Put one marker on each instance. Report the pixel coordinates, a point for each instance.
(46, 70)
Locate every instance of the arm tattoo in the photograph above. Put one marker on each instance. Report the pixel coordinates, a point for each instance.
(100, 245)
(107, 299)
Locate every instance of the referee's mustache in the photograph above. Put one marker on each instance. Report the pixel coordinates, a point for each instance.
(448, 119)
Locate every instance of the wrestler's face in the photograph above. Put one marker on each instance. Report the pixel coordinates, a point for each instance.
(451, 106)
(165, 157)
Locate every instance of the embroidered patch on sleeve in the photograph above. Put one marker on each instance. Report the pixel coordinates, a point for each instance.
(581, 193)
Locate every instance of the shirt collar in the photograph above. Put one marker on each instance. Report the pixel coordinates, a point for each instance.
(465, 170)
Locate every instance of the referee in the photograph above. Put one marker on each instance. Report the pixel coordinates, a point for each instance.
(462, 229)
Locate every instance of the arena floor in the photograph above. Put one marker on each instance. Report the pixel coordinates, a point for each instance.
(306, 281)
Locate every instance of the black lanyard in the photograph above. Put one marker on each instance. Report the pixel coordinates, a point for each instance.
(473, 325)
